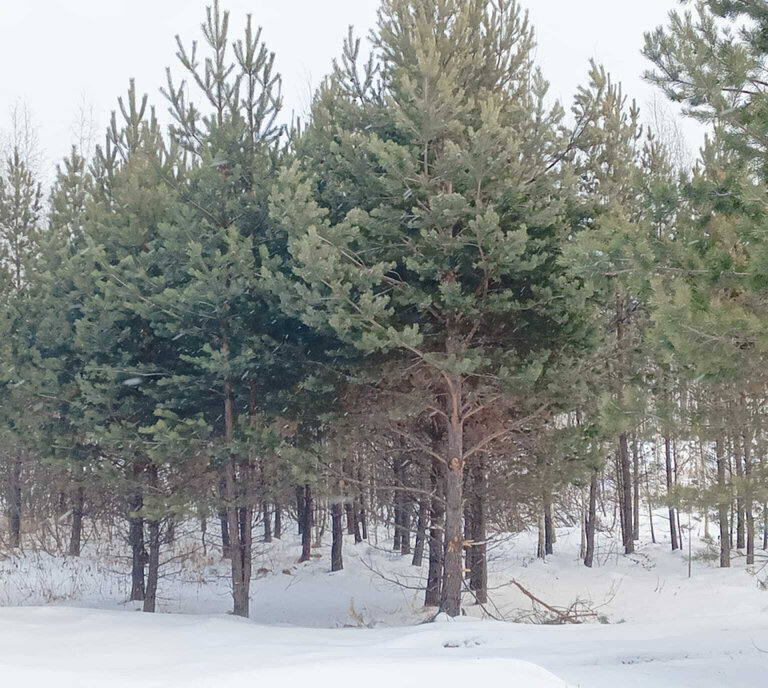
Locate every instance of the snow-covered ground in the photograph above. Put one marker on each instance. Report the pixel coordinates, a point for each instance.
(364, 624)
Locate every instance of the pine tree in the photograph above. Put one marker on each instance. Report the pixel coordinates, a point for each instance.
(443, 251)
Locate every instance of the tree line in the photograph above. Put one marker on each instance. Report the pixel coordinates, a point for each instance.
(442, 303)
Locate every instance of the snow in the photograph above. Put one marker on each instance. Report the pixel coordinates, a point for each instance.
(357, 627)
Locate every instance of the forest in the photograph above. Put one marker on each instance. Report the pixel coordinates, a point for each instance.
(444, 304)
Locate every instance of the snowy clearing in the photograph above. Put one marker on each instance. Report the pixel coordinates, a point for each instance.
(661, 629)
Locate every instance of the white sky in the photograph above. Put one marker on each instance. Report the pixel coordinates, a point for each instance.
(60, 54)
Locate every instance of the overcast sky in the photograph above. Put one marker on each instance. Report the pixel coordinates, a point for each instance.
(57, 55)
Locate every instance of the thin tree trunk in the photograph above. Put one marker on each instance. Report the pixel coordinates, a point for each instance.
(337, 530)
(306, 524)
(549, 528)
(591, 521)
(278, 522)
(421, 531)
(748, 505)
(226, 545)
(267, 517)
(300, 508)
(741, 539)
(136, 542)
(725, 542)
(479, 575)
(672, 521)
(76, 533)
(626, 485)
(636, 489)
(153, 568)
(436, 540)
(14, 500)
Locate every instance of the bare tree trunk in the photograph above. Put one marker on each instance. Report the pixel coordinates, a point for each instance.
(421, 531)
(549, 527)
(670, 479)
(300, 508)
(76, 534)
(636, 489)
(337, 530)
(239, 513)
(436, 540)
(591, 521)
(226, 545)
(278, 522)
(741, 540)
(725, 541)
(405, 525)
(267, 518)
(479, 575)
(153, 568)
(748, 502)
(306, 524)
(136, 541)
(453, 477)
(626, 486)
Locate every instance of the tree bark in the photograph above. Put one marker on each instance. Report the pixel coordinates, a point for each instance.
(670, 479)
(267, 517)
(725, 541)
(549, 527)
(136, 542)
(741, 539)
(453, 476)
(626, 485)
(748, 501)
(479, 575)
(636, 489)
(591, 521)
(337, 529)
(306, 524)
(153, 568)
(278, 522)
(436, 540)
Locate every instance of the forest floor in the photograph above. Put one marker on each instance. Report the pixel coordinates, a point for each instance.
(63, 620)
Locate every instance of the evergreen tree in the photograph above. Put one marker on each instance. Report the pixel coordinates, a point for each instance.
(448, 259)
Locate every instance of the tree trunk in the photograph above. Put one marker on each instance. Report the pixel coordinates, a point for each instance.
(421, 531)
(479, 576)
(453, 481)
(76, 534)
(670, 480)
(591, 521)
(153, 568)
(741, 540)
(14, 500)
(267, 517)
(748, 501)
(436, 540)
(239, 513)
(337, 529)
(136, 541)
(300, 508)
(278, 522)
(405, 525)
(306, 524)
(626, 486)
(226, 545)
(725, 542)
(549, 527)
(636, 489)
